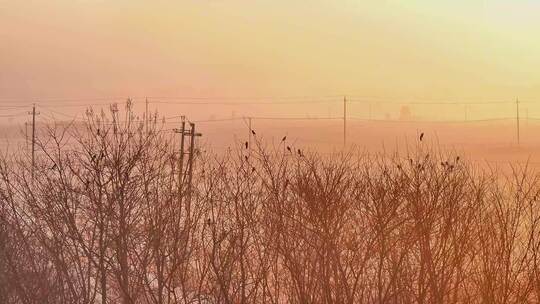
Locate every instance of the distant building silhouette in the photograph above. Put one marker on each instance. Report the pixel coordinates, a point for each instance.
(405, 113)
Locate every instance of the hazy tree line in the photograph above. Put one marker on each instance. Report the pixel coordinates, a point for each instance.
(106, 220)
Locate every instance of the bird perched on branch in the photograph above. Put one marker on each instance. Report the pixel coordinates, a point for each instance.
(253, 132)
(289, 149)
(284, 138)
(247, 145)
(421, 136)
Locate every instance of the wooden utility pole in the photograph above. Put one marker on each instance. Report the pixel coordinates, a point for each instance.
(250, 133)
(146, 119)
(33, 113)
(191, 158)
(114, 110)
(344, 121)
(517, 120)
(26, 134)
(181, 158)
(181, 173)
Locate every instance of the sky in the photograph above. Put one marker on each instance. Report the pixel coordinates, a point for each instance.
(414, 50)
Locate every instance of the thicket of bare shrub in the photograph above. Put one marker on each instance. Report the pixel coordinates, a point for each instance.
(105, 220)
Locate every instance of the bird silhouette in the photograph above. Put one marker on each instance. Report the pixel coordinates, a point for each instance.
(253, 169)
(253, 132)
(284, 138)
(246, 157)
(300, 152)
(421, 136)
(289, 148)
(457, 159)
(247, 145)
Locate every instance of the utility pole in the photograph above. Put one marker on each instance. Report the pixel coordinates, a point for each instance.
(146, 120)
(191, 158)
(250, 133)
(114, 110)
(181, 173)
(181, 157)
(517, 119)
(26, 134)
(344, 121)
(33, 113)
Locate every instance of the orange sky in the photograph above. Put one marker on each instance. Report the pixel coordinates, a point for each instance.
(396, 50)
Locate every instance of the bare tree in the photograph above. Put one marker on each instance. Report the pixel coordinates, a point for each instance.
(108, 218)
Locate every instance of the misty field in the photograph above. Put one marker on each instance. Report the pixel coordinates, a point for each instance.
(105, 216)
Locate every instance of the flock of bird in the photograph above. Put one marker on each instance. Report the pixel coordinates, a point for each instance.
(445, 164)
(283, 140)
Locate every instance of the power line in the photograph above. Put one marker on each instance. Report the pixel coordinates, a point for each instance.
(433, 121)
(217, 120)
(234, 103)
(104, 101)
(14, 115)
(62, 99)
(47, 108)
(297, 118)
(437, 103)
(243, 97)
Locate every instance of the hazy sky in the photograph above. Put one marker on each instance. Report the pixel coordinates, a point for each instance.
(409, 49)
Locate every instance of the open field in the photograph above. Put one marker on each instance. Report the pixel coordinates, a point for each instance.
(489, 143)
(484, 143)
